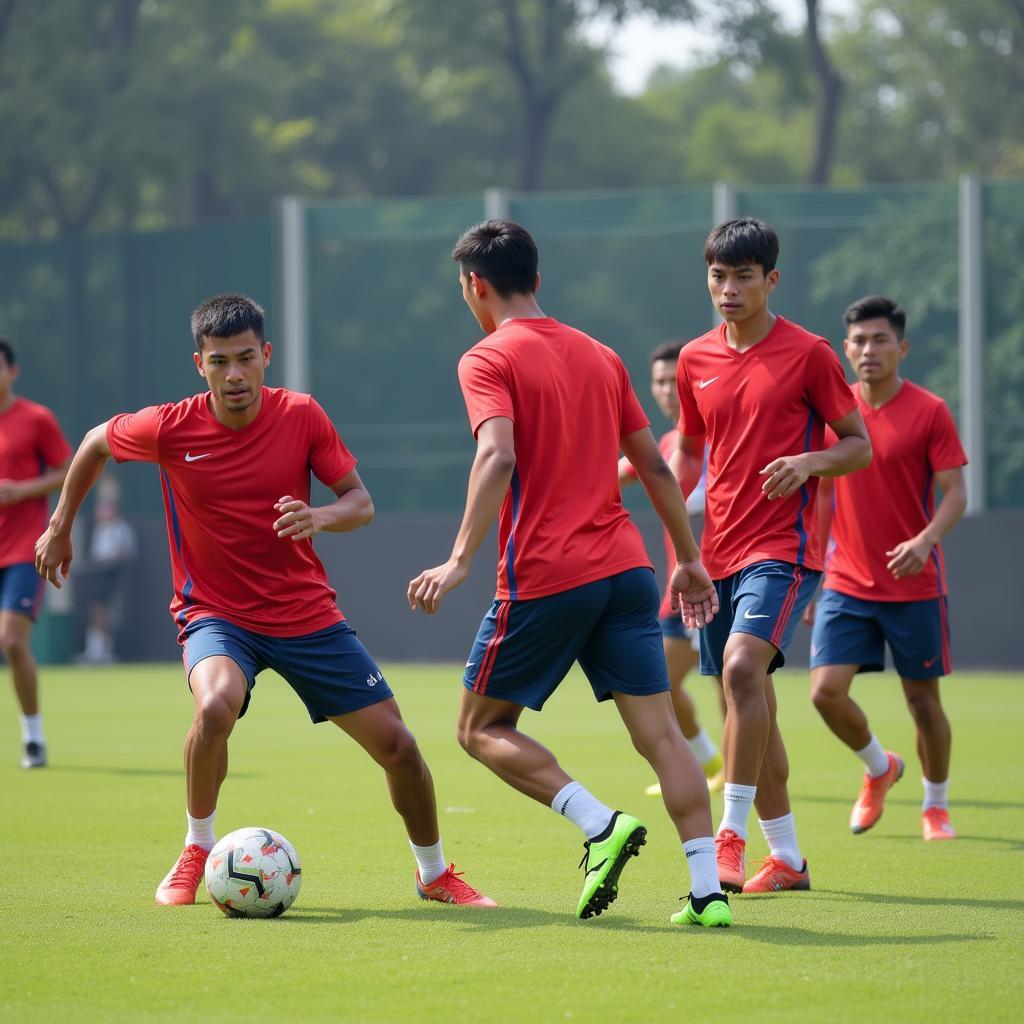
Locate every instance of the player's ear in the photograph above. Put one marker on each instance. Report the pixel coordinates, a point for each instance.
(536, 284)
(197, 358)
(904, 348)
(773, 279)
(267, 349)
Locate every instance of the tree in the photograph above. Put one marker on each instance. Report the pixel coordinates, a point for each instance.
(830, 91)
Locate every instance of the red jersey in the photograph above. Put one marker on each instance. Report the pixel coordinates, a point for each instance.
(756, 406)
(562, 523)
(913, 437)
(31, 442)
(219, 488)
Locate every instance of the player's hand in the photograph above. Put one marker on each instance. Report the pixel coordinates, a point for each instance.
(53, 556)
(785, 477)
(297, 519)
(692, 593)
(425, 592)
(909, 557)
(10, 492)
(808, 613)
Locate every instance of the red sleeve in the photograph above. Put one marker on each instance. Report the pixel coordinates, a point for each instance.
(825, 383)
(484, 382)
(135, 436)
(329, 459)
(53, 446)
(633, 417)
(691, 423)
(944, 448)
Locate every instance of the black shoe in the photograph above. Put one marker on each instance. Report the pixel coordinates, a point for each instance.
(34, 755)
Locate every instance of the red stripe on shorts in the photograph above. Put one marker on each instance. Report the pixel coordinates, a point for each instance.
(491, 651)
(787, 607)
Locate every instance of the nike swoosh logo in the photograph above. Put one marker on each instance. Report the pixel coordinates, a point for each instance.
(702, 384)
(747, 615)
(189, 457)
(931, 661)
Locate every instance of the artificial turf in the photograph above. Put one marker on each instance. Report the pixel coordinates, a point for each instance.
(893, 928)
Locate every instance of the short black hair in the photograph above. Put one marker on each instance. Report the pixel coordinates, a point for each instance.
(667, 352)
(502, 253)
(873, 306)
(743, 242)
(224, 316)
(7, 351)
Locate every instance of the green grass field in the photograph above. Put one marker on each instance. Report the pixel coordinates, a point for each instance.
(894, 928)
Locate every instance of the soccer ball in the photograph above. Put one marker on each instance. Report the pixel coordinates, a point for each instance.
(253, 872)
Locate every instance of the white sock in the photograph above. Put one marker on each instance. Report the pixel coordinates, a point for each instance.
(780, 834)
(703, 747)
(200, 832)
(32, 728)
(582, 808)
(738, 801)
(430, 860)
(703, 864)
(875, 759)
(936, 794)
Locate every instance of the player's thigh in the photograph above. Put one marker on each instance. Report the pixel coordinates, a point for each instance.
(624, 652)
(221, 663)
(524, 649)
(478, 712)
(846, 632)
(918, 636)
(330, 670)
(380, 730)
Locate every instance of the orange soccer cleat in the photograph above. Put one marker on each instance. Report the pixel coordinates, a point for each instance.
(732, 871)
(868, 808)
(180, 884)
(450, 888)
(774, 875)
(935, 824)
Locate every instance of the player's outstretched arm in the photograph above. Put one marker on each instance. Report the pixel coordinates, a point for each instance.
(786, 475)
(690, 584)
(489, 481)
(53, 548)
(909, 557)
(353, 508)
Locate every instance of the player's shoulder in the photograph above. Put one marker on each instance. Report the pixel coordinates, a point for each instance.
(921, 396)
(31, 411)
(796, 334)
(922, 406)
(709, 339)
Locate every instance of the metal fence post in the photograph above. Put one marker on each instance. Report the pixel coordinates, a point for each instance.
(972, 334)
(293, 278)
(496, 203)
(724, 206)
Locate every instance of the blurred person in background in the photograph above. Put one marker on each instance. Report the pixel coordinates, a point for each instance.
(682, 645)
(34, 458)
(885, 577)
(112, 549)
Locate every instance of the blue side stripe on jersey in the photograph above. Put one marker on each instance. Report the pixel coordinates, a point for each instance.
(510, 550)
(805, 497)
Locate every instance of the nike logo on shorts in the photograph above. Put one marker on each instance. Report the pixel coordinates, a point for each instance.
(747, 615)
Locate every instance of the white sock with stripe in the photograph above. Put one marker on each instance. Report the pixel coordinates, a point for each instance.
(702, 861)
(582, 808)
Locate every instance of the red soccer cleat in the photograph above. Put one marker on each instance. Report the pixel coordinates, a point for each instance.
(935, 824)
(774, 875)
(731, 850)
(450, 888)
(868, 808)
(182, 881)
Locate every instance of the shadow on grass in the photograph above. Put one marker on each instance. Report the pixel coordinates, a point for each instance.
(896, 899)
(988, 805)
(81, 769)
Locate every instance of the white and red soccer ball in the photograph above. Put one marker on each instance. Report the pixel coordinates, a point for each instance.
(253, 872)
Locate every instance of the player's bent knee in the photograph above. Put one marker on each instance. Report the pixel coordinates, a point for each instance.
(744, 677)
(217, 714)
(403, 752)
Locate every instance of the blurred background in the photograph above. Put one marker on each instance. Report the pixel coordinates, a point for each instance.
(322, 156)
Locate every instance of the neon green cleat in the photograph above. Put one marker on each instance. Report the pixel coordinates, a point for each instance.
(708, 911)
(604, 861)
(714, 772)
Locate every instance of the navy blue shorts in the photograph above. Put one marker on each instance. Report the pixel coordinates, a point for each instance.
(524, 649)
(672, 627)
(850, 631)
(765, 600)
(330, 670)
(21, 589)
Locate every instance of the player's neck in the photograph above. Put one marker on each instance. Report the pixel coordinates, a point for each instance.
(516, 307)
(879, 392)
(744, 334)
(234, 420)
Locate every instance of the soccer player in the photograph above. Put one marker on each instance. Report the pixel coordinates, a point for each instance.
(550, 409)
(34, 457)
(885, 576)
(759, 390)
(249, 590)
(681, 644)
